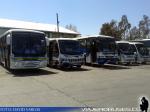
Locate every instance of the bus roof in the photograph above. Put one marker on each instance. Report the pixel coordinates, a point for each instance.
(123, 42)
(135, 43)
(145, 39)
(93, 36)
(141, 40)
(21, 30)
(60, 39)
(24, 30)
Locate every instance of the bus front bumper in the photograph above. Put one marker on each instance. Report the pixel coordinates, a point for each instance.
(146, 58)
(72, 63)
(113, 60)
(27, 64)
(127, 60)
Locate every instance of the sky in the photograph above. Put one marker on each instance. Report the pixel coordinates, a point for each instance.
(87, 15)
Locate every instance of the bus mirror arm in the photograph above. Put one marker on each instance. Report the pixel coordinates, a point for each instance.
(47, 41)
(8, 39)
(135, 53)
(84, 54)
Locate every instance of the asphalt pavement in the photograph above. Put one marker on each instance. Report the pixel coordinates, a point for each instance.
(92, 86)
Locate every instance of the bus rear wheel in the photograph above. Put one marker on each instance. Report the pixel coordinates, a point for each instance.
(78, 66)
(7, 64)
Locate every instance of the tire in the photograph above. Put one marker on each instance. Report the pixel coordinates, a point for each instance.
(6, 64)
(78, 66)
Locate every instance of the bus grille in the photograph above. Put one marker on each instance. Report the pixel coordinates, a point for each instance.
(109, 56)
(75, 60)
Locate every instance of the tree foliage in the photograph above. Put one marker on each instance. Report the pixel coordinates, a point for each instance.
(71, 27)
(110, 29)
(144, 27)
(134, 33)
(118, 30)
(123, 29)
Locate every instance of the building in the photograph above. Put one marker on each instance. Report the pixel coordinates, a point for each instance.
(49, 29)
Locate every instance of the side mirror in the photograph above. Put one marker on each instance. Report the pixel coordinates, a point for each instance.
(84, 54)
(8, 39)
(135, 53)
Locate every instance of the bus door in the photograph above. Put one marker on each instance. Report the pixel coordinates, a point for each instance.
(135, 51)
(83, 48)
(93, 51)
(53, 52)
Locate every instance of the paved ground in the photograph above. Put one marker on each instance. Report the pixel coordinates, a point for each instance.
(107, 86)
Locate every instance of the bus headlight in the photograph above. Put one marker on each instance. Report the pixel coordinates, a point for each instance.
(116, 55)
(101, 55)
(124, 56)
(61, 56)
(63, 60)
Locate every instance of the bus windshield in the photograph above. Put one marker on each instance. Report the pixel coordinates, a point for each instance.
(142, 49)
(107, 45)
(28, 44)
(125, 48)
(70, 47)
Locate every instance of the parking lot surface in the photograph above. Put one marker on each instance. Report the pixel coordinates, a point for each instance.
(96, 86)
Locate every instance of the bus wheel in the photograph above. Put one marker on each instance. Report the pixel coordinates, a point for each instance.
(128, 63)
(5, 64)
(144, 62)
(116, 63)
(78, 66)
(54, 66)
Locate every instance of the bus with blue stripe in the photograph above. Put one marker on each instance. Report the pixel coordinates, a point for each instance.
(65, 53)
(99, 49)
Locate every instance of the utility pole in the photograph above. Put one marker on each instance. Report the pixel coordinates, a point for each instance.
(57, 23)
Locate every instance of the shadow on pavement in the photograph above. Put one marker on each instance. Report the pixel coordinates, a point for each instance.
(148, 63)
(111, 67)
(133, 64)
(30, 72)
(74, 69)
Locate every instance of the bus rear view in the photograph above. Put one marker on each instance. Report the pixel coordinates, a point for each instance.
(26, 49)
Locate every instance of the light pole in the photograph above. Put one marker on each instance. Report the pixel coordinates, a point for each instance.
(57, 24)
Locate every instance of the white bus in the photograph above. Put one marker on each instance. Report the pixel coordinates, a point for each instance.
(99, 49)
(65, 53)
(146, 43)
(23, 49)
(126, 55)
(141, 52)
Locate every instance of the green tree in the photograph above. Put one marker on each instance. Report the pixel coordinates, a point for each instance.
(110, 29)
(134, 33)
(71, 27)
(119, 30)
(144, 27)
(124, 27)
